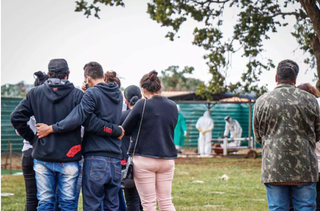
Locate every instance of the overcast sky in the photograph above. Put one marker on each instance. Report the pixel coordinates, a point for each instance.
(124, 40)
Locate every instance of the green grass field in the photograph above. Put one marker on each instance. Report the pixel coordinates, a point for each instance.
(243, 190)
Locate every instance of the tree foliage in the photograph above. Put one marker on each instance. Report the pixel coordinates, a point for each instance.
(174, 80)
(256, 20)
(94, 6)
(15, 90)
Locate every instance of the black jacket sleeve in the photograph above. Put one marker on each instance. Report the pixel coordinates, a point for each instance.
(133, 118)
(102, 128)
(77, 116)
(20, 117)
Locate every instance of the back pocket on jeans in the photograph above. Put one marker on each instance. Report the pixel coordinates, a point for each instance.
(98, 169)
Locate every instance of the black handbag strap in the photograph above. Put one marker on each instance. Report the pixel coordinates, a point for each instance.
(144, 107)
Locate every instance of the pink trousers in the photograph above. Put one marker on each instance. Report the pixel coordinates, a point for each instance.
(153, 178)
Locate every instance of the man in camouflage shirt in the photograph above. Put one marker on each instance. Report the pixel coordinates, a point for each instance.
(287, 125)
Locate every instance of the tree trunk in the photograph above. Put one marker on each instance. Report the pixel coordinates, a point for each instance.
(313, 13)
(316, 50)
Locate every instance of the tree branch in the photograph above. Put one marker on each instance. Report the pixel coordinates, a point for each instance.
(298, 15)
(313, 12)
(210, 1)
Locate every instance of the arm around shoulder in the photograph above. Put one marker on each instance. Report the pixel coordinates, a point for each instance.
(102, 128)
(20, 117)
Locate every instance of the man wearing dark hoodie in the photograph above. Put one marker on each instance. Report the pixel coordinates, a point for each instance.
(102, 154)
(56, 156)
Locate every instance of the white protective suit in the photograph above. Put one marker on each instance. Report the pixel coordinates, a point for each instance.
(235, 129)
(205, 123)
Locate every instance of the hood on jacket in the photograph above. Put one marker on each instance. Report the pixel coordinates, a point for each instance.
(207, 114)
(56, 89)
(205, 122)
(111, 90)
(228, 119)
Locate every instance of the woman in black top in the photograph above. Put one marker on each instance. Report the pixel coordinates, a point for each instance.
(155, 152)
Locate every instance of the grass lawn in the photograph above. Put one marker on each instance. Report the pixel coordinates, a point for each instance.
(7, 171)
(196, 186)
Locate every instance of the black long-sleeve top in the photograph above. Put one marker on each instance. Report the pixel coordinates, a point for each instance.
(157, 130)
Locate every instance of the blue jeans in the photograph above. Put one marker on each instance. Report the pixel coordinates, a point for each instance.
(101, 183)
(303, 197)
(78, 189)
(52, 175)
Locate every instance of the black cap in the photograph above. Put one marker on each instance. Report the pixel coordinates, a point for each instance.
(58, 65)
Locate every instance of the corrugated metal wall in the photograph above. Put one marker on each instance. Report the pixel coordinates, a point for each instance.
(192, 112)
(7, 130)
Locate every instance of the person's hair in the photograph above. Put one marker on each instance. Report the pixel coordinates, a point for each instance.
(94, 70)
(132, 93)
(151, 82)
(309, 88)
(287, 71)
(41, 77)
(61, 74)
(58, 68)
(111, 77)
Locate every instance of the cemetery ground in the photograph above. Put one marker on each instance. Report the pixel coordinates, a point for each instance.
(197, 186)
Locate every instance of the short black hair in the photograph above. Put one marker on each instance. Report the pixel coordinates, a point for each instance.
(94, 70)
(287, 71)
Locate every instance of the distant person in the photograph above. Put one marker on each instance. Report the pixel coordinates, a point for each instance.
(131, 94)
(235, 130)
(153, 162)
(101, 182)
(312, 90)
(27, 160)
(287, 125)
(111, 77)
(205, 126)
(56, 157)
(180, 131)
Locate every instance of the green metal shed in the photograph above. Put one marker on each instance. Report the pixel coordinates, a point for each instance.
(193, 107)
(193, 111)
(8, 104)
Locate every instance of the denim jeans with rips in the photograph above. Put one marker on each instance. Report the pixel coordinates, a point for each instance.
(303, 197)
(78, 189)
(101, 183)
(52, 175)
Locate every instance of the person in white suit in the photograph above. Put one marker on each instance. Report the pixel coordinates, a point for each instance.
(205, 126)
(235, 130)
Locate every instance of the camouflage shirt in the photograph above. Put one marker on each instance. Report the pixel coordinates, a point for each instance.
(287, 125)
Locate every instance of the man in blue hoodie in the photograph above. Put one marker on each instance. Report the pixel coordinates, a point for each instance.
(102, 154)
